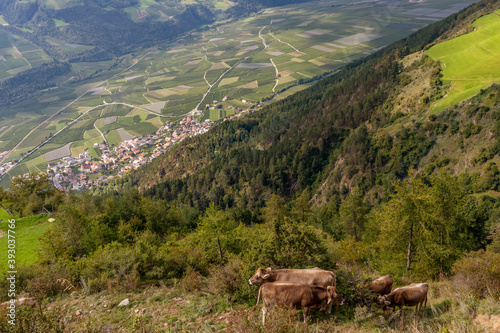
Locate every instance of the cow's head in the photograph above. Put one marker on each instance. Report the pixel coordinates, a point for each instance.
(383, 302)
(260, 276)
(334, 296)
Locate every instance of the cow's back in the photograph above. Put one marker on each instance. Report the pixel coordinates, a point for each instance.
(411, 295)
(312, 276)
(382, 285)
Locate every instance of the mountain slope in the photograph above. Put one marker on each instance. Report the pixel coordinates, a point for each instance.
(357, 128)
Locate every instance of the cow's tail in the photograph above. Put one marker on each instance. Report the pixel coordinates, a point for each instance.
(258, 296)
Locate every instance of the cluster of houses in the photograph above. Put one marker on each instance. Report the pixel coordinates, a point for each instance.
(6, 167)
(82, 172)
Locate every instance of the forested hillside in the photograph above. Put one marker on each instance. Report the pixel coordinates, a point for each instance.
(355, 175)
(363, 127)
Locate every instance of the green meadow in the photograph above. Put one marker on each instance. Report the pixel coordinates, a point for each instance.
(27, 232)
(470, 62)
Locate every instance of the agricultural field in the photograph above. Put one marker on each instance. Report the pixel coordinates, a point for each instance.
(232, 66)
(470, 62)
(17, 54)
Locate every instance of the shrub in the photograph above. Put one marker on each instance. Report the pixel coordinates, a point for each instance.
(480, 271)
(192, 281)
(351, 286)
(113, 266)
(231, 280)
(33, 319)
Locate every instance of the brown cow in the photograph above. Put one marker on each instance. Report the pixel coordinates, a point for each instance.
(414, 294)
(381, 285)
(311, 276)
(300, 296)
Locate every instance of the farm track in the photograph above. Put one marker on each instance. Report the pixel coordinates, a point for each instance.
(279, 40)
(262, 38)
(104, 138)
(213, 84)
(277, 73)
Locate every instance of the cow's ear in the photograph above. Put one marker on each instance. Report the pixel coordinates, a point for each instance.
(265, 276)
(268, 269)
(387, 303)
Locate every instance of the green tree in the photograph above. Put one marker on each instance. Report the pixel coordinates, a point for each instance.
(427, 224)
(447, 235)
(401, 219)
(29, 195)
(215, 234)
(295, 245)
(301, 208)
(353, 212)
(275, 209)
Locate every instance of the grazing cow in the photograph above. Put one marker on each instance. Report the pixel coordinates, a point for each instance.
(414, 294)
(382, 285)
(311, 276)
(299, 296)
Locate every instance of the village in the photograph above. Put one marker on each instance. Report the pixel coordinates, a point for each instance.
(82, 172)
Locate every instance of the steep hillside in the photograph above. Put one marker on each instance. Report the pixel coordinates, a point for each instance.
(357, 175)
(363, 127)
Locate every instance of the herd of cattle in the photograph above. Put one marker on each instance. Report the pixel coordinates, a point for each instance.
(315, 288)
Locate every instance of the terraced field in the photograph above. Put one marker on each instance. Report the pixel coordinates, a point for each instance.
(470, 62)
(267, 56)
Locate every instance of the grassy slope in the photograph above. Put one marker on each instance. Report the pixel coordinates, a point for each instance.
(450, 308)
(27, 233)
(470, 62)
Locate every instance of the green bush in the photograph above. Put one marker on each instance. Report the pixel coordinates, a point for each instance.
(351, 286)
(231, 280)
(480, 271)
(113, 266)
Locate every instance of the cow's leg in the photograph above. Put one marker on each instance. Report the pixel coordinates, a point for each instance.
(425, 301)
(305, 312)
(329, 308)
(264, 312)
